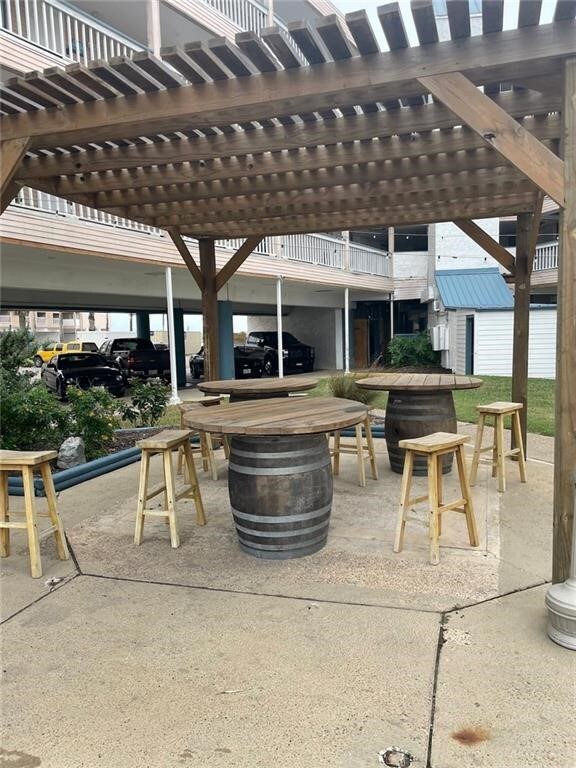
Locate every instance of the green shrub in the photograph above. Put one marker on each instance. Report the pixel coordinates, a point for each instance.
(148, 401)
(31, 419)
(417, 350)
(16, 349)
(344, 385)
(93, 417)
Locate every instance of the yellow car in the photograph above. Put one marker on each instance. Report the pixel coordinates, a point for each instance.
(45, 354)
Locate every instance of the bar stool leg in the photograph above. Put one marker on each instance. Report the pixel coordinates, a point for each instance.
(519, 445)
(170, 497)
(195, 488)
(31, 524)
(370, 444)
(226, 446)
(142, 493)
(336, 462)
(60, 538)
(501, 468)
(495, 448)
(404, 501)
(4, 515)
(433, 502)
(468, 506)
(204, 451)
(439, 481)
(477, 448)
(180, 464)
(360, 456)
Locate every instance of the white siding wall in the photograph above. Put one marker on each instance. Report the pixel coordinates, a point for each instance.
(493, 343)
(453, 249)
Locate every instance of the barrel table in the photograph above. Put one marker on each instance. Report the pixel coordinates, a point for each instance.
(418, 404)
(280, 473)
(256, 389)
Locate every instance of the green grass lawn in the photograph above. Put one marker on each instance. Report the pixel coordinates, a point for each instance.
(540, 400)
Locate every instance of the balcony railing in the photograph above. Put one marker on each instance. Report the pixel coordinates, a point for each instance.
(63, 30)
(322, 250)
(546, 257)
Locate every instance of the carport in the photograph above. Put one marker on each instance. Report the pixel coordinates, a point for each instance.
(324, 131)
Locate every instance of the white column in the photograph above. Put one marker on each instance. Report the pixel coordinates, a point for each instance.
(346, 236)
(346, 330)
(174, 399)
(270, 21)
(391, 316)
(153, 26)
(279, 326)
(391, 246)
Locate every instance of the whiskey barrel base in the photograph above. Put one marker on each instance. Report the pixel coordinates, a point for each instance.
(415, 414)
(281, 494)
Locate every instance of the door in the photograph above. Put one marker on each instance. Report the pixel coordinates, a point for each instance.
(469, 345)
(361, 343)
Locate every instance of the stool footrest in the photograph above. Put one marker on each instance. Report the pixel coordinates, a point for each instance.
(457, 506)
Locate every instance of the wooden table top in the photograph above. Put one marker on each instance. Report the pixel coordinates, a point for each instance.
(259, 386)
(418, 382)
(273, 416)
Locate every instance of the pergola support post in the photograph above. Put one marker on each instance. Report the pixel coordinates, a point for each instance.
(522, 277)
(565, 429)
(206, 247)
(174, 399)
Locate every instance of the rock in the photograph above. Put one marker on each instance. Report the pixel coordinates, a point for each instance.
(71, 453)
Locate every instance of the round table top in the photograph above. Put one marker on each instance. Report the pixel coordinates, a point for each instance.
(259, 386)
(419, 382)
(274, 416)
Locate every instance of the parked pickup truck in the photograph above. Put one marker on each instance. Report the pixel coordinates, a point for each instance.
(248, 362)
(295, 355)
(137, 357)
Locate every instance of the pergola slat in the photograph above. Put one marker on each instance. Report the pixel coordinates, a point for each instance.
(458, 18)
(529, 13)
(424, 21)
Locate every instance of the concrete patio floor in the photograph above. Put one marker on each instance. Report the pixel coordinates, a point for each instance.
(205, 656)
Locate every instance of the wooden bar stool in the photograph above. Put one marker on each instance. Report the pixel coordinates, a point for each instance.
(499, 411)
(26, 462)
(434, 447)
(165, 442)
(205, 440)
(362, 450)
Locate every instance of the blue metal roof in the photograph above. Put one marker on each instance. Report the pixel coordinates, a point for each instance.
(483, 288)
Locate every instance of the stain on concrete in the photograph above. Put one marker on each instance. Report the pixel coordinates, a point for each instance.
(16, 759)
(471, 735)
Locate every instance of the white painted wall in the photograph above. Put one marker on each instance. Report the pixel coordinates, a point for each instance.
(316, 327)
(493, 339)
(453, 249)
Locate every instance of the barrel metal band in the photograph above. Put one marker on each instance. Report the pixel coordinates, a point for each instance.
(282, 534)
(269, 455)
(271, 519)
(262, 471)
(276, 547)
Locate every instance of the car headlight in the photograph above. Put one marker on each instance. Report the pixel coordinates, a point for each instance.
(119, 378)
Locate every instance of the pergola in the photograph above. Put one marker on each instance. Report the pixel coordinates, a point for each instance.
(320, 130)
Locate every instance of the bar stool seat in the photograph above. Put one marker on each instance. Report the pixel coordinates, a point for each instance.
(363, 449)
(26, 462)
(164, 443)
(434, 447)
(499, 410)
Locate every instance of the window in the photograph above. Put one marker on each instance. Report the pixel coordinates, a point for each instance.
(58, 347)
(411, 238)
(73, 347)
(40, 315)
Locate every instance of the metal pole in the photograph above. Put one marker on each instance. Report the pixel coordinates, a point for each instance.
(174, 399)
(279, 327)
(391, 246)
(346, 330)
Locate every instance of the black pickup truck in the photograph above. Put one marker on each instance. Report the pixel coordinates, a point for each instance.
(295, 355)
(137, 357)
(248, 362)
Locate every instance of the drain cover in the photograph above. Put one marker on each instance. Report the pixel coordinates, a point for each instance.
(396, 758)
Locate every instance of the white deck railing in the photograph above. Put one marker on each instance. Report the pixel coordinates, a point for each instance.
(322, 250)
(64, 30)
(546, 257)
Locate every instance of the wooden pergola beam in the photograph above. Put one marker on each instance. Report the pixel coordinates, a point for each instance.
(196, 273)
(506, 205)
(11, 153)
(565, 428)
(500, 131)
(7, 195)
(236, 261)
(489, 58)
(210, 329)
(487, 243)
(248, 143)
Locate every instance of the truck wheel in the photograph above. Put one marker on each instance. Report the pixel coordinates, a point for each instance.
(38, 361)
(268, 366)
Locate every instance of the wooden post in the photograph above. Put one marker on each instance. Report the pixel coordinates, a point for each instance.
(209, 308)
(522, 277)
(565, 431)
